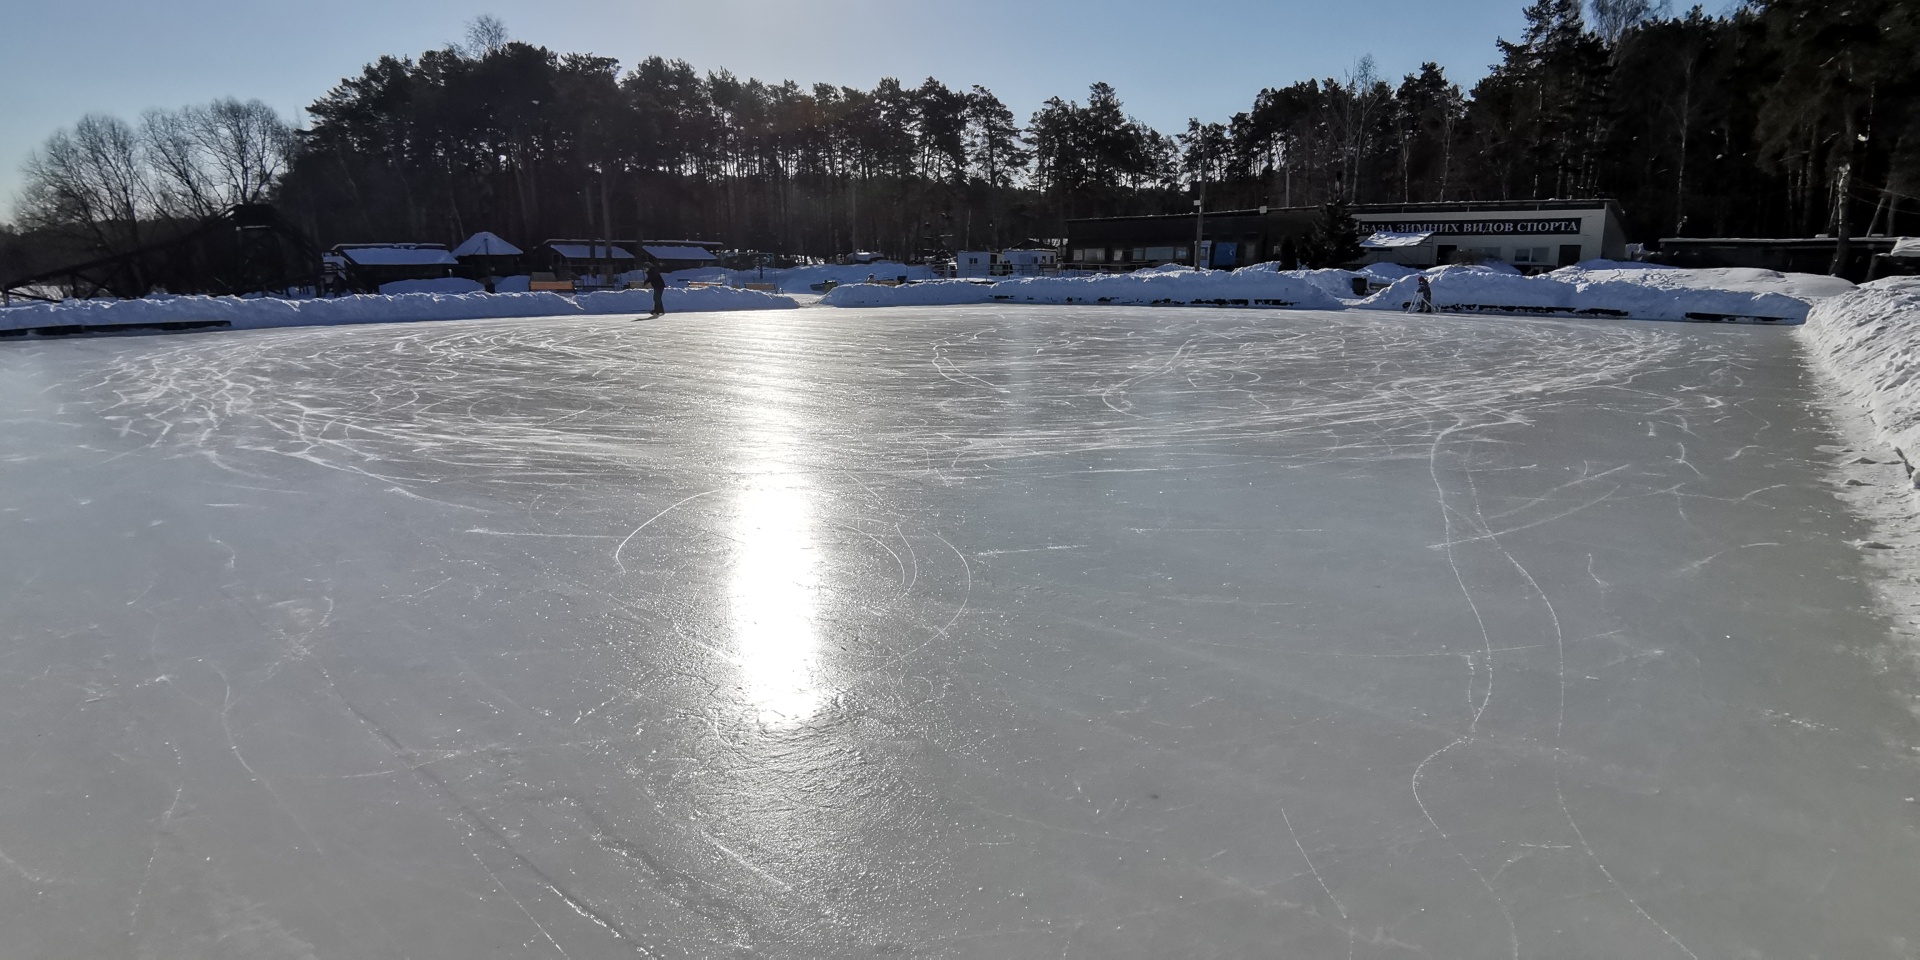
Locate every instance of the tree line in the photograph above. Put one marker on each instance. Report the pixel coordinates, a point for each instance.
(1775, 118)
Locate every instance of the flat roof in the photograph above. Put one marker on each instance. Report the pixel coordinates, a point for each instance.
(1775, 241)
(588, 249)
(396, 254)
(1476, 206)
(661, 252)
(1449, 206)
(1250, 212)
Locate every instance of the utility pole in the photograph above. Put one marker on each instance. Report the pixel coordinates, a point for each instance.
(1199, 225)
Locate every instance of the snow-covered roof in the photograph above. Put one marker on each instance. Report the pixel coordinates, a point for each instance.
(1386, 240)
(1906, 247)
(678, 253)
(484, 244)
(400, 255)
(583, 250)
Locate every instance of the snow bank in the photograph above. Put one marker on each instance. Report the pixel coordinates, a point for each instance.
(1869, 341)
(1386, 272)
(442, 285)
(805, 279)
(1603, 288)
(1800, 286)
(253, 313)
(925, 294)
(1156, 285)
(1332, 282)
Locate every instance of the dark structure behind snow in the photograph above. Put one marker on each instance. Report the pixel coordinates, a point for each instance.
(364, 267)
(245, 249)
(1529, 233)
(1785, 254)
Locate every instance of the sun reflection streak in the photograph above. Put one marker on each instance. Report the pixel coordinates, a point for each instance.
(773, 588)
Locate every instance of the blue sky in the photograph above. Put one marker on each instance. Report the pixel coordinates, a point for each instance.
(1169, 60)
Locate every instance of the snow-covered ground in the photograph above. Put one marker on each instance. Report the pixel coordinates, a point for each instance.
(441, 285)
(258, 312)
(1603, 288)
(923, 294)
(807, 279)
(1158, 285)
(1868, 342)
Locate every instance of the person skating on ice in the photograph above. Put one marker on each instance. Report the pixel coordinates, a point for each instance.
(659, 285)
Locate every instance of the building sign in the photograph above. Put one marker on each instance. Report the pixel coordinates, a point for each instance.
(1476, 228)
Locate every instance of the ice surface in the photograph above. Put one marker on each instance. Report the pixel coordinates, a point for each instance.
(963, 632)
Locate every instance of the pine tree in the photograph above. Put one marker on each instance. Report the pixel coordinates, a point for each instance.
(1334, 238)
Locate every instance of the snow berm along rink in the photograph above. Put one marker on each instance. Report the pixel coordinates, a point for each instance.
(997, 630)
(1597, 288)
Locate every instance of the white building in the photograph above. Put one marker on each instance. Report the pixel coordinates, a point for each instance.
(1526, 233)
(975, 263)
(1030, 261)
(1019, 262)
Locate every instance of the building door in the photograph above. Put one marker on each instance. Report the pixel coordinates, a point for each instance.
(1569, 254)
(1443, 254)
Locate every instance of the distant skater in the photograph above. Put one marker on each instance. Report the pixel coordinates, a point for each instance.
(1423, 301)
(659, 285)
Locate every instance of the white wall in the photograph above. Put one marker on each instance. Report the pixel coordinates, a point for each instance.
(1534, 234)
(973, 263)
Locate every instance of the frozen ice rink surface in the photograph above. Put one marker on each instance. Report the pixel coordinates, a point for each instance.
(973, 632)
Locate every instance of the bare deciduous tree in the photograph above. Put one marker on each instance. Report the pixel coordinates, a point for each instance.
(486, 34)
(90, 178)
(205, 159)
(179, 185)
(1612, 18)
(245, 145)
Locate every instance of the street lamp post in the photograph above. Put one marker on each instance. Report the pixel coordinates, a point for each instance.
(1199, 225)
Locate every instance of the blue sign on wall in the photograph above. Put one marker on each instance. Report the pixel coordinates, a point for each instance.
(1224, 254)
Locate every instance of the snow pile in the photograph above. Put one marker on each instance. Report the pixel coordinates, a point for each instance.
(1800, 286)
(1173, 285)
(925, 294)
(1386, 272)
(1476, 288)
(1604, 288)
(253, 313)
(442, 285)
(1869, 341)
(1332, 282)
(805, 279)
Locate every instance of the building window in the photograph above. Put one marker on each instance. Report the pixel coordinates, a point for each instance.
(1159, 254)
(1530, 256)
